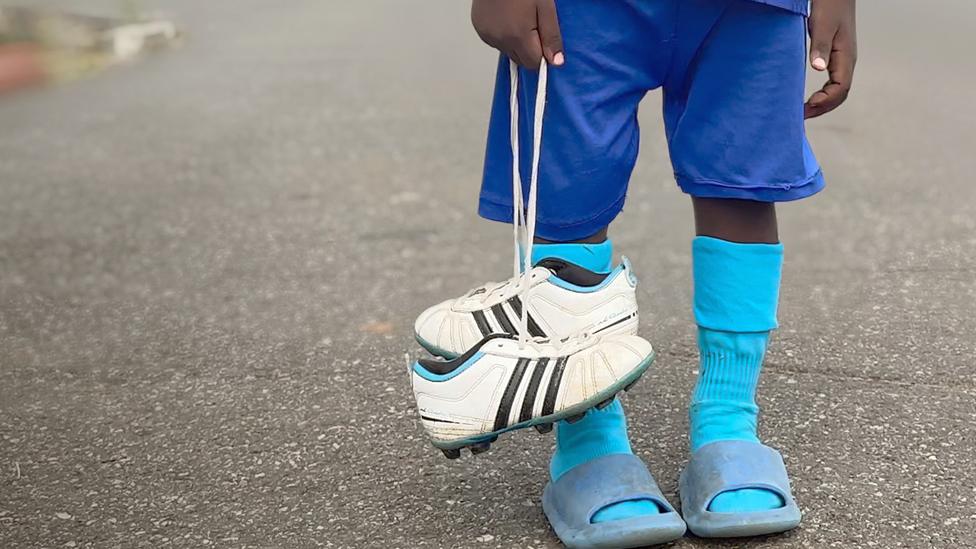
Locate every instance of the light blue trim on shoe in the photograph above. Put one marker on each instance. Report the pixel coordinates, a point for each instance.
(556, 281)
(571, 501)
(430, 376)
(727, 465)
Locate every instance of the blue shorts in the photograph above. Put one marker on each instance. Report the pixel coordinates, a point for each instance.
(732, 72)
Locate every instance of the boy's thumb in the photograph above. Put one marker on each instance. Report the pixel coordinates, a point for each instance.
(820, 55)
(549, 34)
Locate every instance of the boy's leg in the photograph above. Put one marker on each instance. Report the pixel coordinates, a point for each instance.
(737, 261)
(615, 52)
(594, 253)
(745, 221)
(734, 119)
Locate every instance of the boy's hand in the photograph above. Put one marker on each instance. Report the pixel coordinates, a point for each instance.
(524, 30)
(833, 48)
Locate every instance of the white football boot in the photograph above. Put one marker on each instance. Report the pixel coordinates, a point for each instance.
(499, 386)
(547, 345)
(564, 300)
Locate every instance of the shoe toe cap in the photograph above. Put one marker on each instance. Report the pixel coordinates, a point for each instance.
(626, 351)
(446, 332)
(431, 323)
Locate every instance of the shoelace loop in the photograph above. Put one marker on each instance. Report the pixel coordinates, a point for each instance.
(497, 290)
(523, 215)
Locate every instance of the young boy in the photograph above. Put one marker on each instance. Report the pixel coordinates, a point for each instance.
(732, 72)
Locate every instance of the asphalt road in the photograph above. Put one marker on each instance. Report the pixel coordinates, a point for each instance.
(210, 262)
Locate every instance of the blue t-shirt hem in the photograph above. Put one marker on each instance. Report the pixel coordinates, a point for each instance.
(798, 6)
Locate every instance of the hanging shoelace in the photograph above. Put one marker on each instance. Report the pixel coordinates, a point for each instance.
(523, 214)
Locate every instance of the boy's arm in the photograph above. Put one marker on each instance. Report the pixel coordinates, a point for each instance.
(524, 30)
(833, 48)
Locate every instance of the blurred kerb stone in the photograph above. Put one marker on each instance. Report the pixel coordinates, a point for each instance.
(118, 37)
(39, 45)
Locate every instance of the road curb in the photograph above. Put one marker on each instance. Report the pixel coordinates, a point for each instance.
(39, 45)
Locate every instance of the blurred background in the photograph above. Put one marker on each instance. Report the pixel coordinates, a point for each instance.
(219, 219)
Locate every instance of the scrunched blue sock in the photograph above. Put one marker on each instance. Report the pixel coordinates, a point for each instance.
(599, 433)
(595, 257)
(723, 406)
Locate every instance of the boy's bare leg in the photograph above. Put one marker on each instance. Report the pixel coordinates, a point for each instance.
(745, 221)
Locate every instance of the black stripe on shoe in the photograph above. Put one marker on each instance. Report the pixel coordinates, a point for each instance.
(503, 320)
(516, 304)
(482, 322)
(528, 401)
(437, 420)
(501, 418)
(557, 375)
(608, 326)
(533, 328)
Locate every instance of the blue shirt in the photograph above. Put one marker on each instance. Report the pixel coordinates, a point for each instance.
(798, 6)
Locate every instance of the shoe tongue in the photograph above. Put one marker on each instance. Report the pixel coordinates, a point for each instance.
(571, 272)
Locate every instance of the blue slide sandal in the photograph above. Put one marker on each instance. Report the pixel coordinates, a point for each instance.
(731, 465)
(571, 501)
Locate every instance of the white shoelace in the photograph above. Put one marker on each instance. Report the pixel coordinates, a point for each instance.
(523, 216)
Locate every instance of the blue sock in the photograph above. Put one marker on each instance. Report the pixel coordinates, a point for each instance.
(600, 432)
(736, 295)
(595, 257)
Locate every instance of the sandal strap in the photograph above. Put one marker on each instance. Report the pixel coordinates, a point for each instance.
(604, 481)
(731, 465)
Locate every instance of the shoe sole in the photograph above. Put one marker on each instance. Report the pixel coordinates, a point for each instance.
(482, 443)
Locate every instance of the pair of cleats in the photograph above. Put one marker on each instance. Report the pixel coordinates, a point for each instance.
(581, 351)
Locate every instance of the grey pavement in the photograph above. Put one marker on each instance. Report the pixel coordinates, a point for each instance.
(210, 262)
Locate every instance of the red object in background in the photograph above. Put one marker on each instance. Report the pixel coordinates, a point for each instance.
(20, 65)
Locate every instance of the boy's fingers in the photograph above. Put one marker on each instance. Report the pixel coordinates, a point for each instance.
(822, 27)
(818, 60)
(549, 34)
(826, 99)
(528, 52)
(820, 46)
(820, 57)
(835, 91)
(514, 57)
